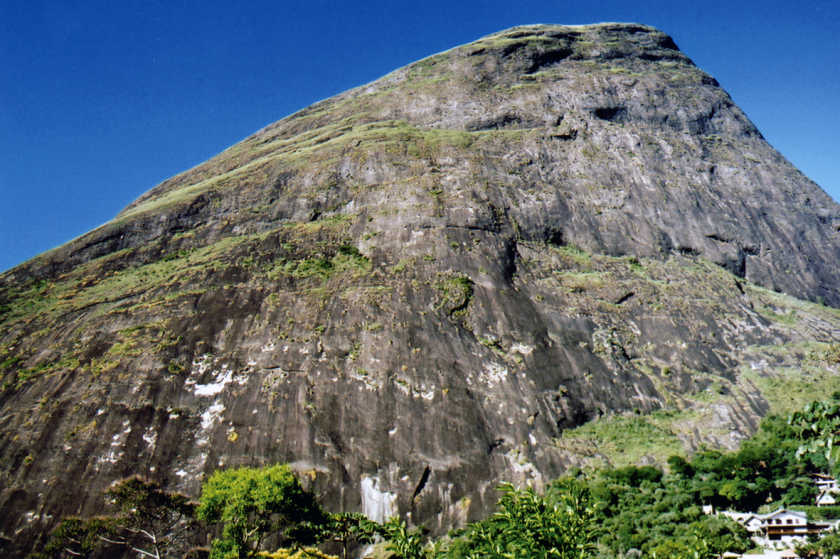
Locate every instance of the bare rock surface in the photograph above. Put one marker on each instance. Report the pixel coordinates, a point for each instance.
(412, 290)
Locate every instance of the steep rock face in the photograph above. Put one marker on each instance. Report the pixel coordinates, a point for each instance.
(411, 290)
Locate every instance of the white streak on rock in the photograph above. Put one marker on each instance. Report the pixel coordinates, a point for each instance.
(377, 505)
(215, 387)
(150, 436)
(213, 413)
(493, 374)
(522, 348)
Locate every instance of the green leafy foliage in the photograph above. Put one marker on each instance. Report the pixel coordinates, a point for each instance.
(767, 469)
(150, 518)
(76, 537)
(559, 525)
(658, 514)
(617, 512)
(300, 553)
(151, 522)
(818, 426)
(661, 515)
(404, 542)
(350, 528)
(253, 503)
(827, 546)
(692, 547)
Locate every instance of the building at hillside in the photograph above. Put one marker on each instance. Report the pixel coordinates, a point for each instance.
(781, 526)
(786, 525)
(826, 483)
(826, 499)
(754, 523)
(827, 490)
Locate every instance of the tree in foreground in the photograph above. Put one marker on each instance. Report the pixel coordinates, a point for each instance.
(560, 525)
(407, 543)
(350, 529)
(151, 522)
(76, 537)
(695, 547)
(827, 546)
(300, 553)
(254, 503)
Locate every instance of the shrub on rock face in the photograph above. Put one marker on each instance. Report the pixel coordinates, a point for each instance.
(254, 503)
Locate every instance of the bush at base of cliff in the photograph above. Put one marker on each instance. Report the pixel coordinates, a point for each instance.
(559, 525)
(253, 503)
(152, 522)
(300, 553)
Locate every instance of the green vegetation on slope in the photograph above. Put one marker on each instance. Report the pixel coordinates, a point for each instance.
(626, 440)
(606, 513)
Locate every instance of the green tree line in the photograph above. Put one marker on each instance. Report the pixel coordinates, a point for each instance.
(607, 513)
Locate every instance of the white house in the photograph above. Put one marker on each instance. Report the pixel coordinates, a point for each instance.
(751, 521)
(786, 525)
(780, 526)
(826, 498)
(826, 483)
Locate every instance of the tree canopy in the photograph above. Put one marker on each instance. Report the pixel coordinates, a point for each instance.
(151, 522)
(558, 525)
(252, 504)
(818, 426)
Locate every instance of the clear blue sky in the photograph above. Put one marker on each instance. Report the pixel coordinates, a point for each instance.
(101, 100)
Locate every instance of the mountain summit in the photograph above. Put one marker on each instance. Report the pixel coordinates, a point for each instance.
(415, 290)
